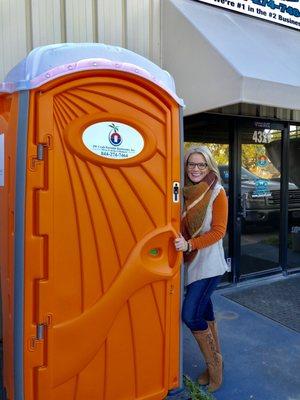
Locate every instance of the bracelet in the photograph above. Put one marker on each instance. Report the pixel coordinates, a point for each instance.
(187, 247)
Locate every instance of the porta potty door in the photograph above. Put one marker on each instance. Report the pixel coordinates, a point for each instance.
(102, 281)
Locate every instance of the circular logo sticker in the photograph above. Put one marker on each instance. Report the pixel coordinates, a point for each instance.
(113, 140)
(262, 161)
(261, 188)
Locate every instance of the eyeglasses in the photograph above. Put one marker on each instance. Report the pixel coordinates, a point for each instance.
(201, 166)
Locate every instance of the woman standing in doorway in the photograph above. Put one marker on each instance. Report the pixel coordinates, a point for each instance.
(204, 224)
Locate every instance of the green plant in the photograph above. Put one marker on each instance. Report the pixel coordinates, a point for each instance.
(195, 390)
(274, 241)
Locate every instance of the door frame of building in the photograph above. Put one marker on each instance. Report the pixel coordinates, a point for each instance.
(234, 124)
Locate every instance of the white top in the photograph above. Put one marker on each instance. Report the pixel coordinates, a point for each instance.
(209, 261)
(46, 63)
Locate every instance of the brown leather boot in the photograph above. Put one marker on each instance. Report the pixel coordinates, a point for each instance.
(212, 358)
(204, 377)
(214, 331)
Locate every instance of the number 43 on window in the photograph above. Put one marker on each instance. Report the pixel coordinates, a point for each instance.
(261, 137)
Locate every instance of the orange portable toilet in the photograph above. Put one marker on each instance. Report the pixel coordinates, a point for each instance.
(89, 191)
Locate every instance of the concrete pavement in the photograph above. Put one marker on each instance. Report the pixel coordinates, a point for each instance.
(261, 356)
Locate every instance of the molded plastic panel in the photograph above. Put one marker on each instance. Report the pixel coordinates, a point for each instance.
(102, 274)
(9, 107)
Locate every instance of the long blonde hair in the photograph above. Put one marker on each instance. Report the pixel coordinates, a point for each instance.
(206, 153)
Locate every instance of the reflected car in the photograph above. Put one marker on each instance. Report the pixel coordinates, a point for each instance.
(260, 198)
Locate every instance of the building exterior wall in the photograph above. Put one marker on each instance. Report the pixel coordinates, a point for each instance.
(26, 24)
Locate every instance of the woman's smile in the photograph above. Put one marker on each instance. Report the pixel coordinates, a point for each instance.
(194, 173)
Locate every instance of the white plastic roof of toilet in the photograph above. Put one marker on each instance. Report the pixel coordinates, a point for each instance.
(46, 63)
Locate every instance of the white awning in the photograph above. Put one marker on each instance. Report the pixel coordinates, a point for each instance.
(219, 58)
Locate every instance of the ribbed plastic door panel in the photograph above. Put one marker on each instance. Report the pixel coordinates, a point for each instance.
(9, 110)
(100, 245)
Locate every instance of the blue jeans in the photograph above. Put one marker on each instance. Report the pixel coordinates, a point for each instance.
(197, 306)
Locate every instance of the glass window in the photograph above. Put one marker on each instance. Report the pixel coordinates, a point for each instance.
(260, 200)
(220, 153)
(293, 258)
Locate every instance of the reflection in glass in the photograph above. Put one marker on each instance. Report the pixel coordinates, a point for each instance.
(260, 200)
(293, 258)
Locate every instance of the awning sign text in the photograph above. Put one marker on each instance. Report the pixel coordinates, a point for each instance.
(284, 12)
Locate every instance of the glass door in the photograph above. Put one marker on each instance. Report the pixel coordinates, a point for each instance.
(259, 197)
(213, 133)
(293, 242)
(263, 233)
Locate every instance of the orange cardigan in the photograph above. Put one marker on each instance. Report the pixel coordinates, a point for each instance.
(218, 224)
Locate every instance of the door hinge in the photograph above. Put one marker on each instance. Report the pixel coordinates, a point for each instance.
(38, 337)
(41, 147)
(40, 152)
(40, 332)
